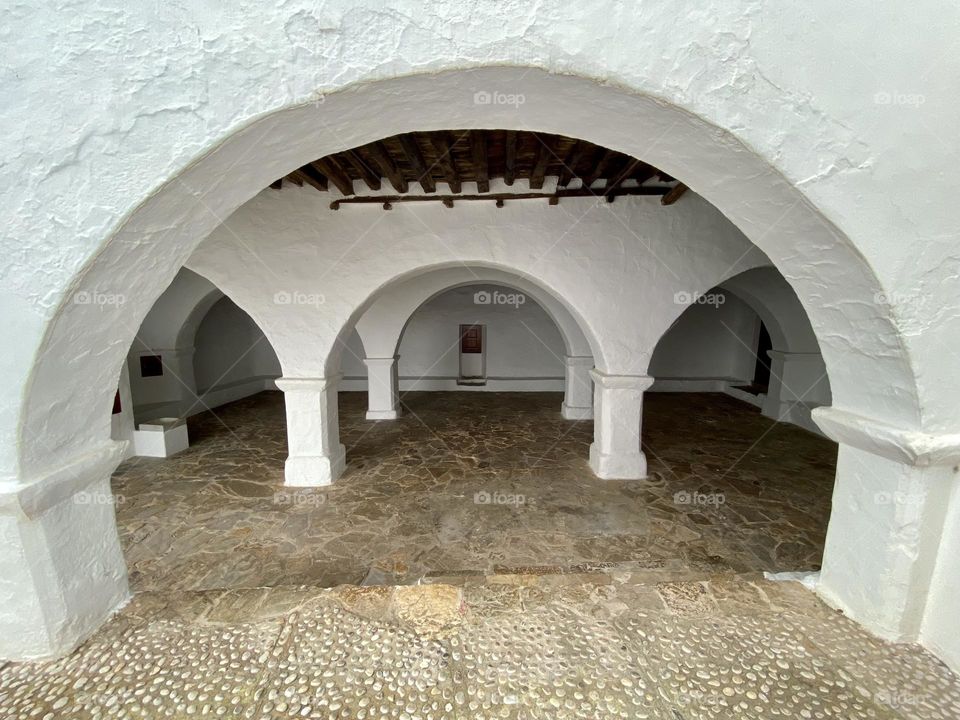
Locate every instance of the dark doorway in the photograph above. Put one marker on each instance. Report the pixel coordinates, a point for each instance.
(761, 372)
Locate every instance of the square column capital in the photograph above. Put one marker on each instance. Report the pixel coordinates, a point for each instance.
(621, 382)
(298, 384)
(373, 362)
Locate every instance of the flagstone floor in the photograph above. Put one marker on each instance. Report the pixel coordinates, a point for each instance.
(475, 483)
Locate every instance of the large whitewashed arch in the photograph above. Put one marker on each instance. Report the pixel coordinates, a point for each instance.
(52, 435)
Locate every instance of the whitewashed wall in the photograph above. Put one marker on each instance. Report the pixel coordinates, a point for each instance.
(232, 357)
(524, 349)
(710, 346)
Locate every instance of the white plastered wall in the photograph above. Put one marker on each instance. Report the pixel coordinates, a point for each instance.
(524, 349)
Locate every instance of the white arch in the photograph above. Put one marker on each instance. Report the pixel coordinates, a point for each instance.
(381, 326)
(56, 415)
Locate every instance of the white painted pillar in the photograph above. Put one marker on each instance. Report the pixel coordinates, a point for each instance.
(317, 456)
(62, 572)
(383, 388)
(890, 501)
(618, 410)
(577, 388)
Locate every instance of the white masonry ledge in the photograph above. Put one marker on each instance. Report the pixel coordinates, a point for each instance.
(307, 384)
(910, 447)
(32, 498)
(621, 382)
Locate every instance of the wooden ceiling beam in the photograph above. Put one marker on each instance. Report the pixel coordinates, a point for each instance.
(481, 161)
(442, 145)
(542, 158)
(314, 177)
(600, 168)
(415, 159)
(295, 178)
(617, 180)
(510, 157)
(371, 178)
(388, 167)
(277, 184)
(675, 194)
(581, 151)
(337, 175)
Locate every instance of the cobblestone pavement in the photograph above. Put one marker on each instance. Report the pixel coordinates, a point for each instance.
(602, 645)
(475, 483)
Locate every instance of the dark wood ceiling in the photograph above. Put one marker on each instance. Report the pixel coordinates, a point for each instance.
(455, 157)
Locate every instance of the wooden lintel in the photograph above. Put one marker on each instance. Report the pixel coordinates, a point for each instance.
(499, 198)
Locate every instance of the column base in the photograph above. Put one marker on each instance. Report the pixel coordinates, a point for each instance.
(620, 466)
(314, 470)
(571, 412)
(383, 414)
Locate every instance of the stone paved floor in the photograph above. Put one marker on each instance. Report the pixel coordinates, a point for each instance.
(729, 491)
(553, 647)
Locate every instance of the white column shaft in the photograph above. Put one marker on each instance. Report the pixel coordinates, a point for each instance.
(618, 410)
(578, 388)
(383, 388)
(313, 431)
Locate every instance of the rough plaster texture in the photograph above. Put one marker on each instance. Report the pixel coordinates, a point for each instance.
(793, 120)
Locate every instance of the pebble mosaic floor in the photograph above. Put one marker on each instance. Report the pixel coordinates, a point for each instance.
(474, 483)
(510, 647)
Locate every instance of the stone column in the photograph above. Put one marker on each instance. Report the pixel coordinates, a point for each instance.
(313, 431)
(63, 572)
(577, 388)
(615, 453)
(890, 501)
(383, 393)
